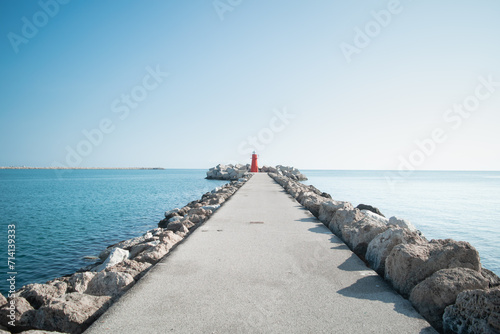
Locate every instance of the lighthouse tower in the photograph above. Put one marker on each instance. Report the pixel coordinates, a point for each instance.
(254, 168)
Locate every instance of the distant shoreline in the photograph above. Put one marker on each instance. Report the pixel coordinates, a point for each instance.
(121, 168)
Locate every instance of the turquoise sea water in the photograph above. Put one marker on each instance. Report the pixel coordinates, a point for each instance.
(61, 220)
(62, 217)
(459, 205)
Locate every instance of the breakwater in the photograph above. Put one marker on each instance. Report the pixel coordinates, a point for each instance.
(261, 264)
(443, 279)
(234, 172)
(71, 303)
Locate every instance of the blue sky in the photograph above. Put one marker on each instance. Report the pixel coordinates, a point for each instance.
(79, 86)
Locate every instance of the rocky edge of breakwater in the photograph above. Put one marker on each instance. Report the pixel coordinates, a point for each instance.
(443, 279)
(234, 172)
(70, 304)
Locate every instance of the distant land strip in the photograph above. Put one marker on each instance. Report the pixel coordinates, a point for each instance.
(141, 168)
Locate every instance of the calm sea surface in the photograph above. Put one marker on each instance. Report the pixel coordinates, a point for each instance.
(459, 205)
(59, 220)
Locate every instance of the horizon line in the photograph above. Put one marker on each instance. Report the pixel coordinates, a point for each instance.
(304, 169)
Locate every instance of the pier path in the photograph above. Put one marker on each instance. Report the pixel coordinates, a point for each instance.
(261, 264)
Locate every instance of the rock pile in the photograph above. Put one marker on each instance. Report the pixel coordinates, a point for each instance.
(70, 304)
(291, 172)
(474, 311)
(228, 172)
(443, 279)
(235, 172)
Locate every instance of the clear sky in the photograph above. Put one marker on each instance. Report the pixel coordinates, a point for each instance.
(190, 83)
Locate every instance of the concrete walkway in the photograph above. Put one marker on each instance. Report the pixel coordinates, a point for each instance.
(261, 264)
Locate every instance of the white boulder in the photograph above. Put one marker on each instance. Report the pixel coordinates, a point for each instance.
(116, 256)
(328, 208)
(395, 221)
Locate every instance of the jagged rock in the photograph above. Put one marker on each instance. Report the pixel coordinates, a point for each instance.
(369, 215)
(491, 277)
(175, 226)
(199, 211)
(109, 283)
(211, 208)
(3, 300)
(370, 208)
(39, 294)
(197, 219)
(409, 264)
(269, 169)
(328, 208)
(117, 255)
(183, 211)
(153, 254)
(172, 213)
(229, 172)
(134, 268)
(72, 313)
(294, 191)
(216, 200)
(127, 244)
(304, 193)
(78, 282)
(291, 172)
(314, 189)
(431, 296)
(312, 203)
(57, 280)
(155, 232)
(170, 237)
(381, 246)
(395, 221)
(181, 234)
(344, 217)
(22, 315)
(137, 249)
(360, 233)
(475, 311)
(188, 224)
(164, 223)
(60, 284)
(182, 231)
(193, 204)
(176, 218)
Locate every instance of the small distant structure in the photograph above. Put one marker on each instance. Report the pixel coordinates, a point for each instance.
(255, 167)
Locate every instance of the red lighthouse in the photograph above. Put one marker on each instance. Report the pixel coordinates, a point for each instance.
(254, 168)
